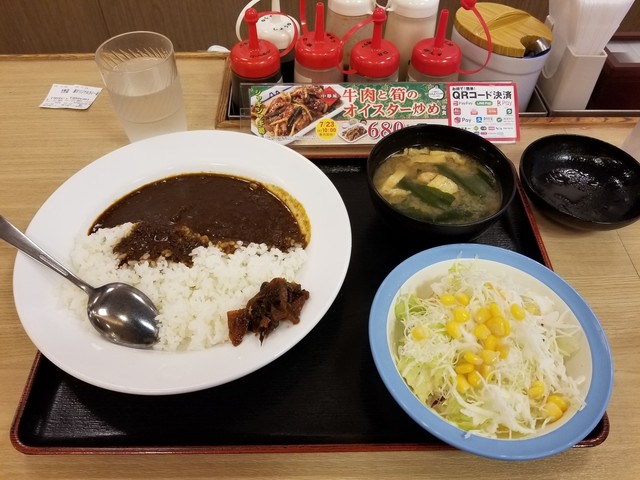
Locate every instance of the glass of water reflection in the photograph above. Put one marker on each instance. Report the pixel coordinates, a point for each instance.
(140, 74)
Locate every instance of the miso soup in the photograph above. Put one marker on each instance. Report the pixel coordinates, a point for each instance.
(438, 186)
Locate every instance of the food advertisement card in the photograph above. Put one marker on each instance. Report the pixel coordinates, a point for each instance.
(347, 114)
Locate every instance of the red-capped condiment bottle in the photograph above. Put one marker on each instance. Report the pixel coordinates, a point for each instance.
(435, 59)
(318, 54)
(252, 61)
(343, 15)
(374, 59)
(282, 31)
(409, 22)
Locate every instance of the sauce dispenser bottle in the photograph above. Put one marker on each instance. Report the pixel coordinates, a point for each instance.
(409, 22)
(281, 31)
(435, 59)
(318, 54)
(374, 59)
(252, 61)
(343, 15)
(278, 28)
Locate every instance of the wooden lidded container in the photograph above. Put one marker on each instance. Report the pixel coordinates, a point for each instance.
(512, 30)
(513, 37)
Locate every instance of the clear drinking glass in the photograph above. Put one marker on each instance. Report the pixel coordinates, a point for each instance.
(139, 71)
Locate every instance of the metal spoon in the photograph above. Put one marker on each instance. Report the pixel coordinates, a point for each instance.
(535, 46)
(121, 313)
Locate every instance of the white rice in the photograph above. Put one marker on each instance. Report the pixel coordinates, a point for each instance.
(193, 301)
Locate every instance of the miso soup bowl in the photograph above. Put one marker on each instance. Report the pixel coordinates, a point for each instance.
(442, 137)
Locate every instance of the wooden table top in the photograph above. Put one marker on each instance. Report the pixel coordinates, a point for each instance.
(41, 148)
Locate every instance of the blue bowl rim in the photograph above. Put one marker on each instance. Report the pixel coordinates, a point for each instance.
(575, 430)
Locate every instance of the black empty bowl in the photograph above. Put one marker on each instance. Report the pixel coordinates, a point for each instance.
(582, 182)
(445, 138)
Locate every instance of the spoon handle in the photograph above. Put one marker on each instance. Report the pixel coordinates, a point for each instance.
(10, 234)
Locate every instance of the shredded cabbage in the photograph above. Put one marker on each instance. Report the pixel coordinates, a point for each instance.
(501, 403)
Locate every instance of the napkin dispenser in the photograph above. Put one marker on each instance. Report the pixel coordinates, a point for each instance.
(567, 81)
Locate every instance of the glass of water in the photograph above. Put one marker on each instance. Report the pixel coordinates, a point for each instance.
(140, 74)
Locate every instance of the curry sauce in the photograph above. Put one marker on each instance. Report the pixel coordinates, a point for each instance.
(176, 214)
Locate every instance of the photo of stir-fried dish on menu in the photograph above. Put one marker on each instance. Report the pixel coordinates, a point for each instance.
(291, 111)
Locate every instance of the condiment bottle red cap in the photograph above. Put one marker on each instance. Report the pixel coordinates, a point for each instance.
(437, 56)
(319, 50)
(254, 57)
(375, 57)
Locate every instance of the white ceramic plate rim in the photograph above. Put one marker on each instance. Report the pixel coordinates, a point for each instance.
(71, 209)
(572, 432)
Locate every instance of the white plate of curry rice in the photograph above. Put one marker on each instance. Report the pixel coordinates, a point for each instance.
(62, 333)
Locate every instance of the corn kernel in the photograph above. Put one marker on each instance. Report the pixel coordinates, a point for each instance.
(498, 326)
(494, 308)
(447, 299)
(485, 370)
(517, 311)
(503, 350)
(460, 314)
(464, 368)
(475, 379)
(491, 342)
(462, 385)
(482, 315)
(559, 401)
(489, 357)
(507, 327)
(481, 331)
(472, 358)
(552, 411)
(536, 390)
(462, 298)
(453, 329)
(420, 333)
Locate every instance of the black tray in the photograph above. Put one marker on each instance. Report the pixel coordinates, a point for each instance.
(325, 394)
